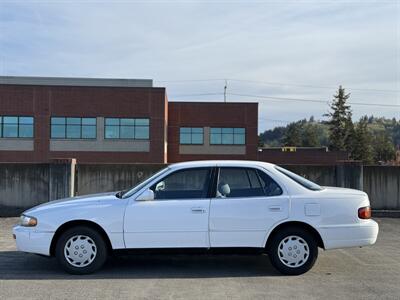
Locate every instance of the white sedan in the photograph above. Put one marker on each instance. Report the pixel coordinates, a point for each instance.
(203, 205)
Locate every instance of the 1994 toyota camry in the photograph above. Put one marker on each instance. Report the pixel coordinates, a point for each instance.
(203, 205)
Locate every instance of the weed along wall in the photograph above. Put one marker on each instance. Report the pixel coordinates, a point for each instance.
(25, 185)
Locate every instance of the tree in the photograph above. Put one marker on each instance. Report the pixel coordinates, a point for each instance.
(362, 149)
(383, 148)
(349, 141)
(310, 135)
(340, 117)
(273, 137)
(292, 135)
(260, 141)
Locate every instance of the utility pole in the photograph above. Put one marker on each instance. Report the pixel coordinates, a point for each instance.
(225, 87)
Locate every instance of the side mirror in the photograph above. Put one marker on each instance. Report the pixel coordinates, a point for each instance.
(147, 195)
(160, 186)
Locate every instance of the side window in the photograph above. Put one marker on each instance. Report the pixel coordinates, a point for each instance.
(238, 182)
(245, 182)
(183, 184)
(271, 188)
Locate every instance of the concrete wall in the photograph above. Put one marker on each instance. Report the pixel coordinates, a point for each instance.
(111, 177)
(382, 183)
(25, 185)
(323, 175)
(348, 176)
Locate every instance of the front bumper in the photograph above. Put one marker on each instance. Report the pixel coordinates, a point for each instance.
(30, 240)
(364, 233)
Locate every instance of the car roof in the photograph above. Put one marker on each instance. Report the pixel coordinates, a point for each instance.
(222, 163)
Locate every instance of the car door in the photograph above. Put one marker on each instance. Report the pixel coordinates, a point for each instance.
(247, 203)
(178, 215)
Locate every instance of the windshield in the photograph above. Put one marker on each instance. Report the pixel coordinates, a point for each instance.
(299, 179)
(140, 185)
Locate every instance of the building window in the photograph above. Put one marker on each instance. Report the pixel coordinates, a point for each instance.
(16, 127)
(227, 136)
(191, 135)
(73, 128)
(123, 128)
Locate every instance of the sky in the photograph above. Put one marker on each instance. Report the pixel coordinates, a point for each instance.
(270, 52)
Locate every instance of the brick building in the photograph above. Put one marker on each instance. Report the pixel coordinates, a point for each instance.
(302, 155)
(224, 131)
(117, 121)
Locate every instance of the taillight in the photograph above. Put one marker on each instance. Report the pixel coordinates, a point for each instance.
(364, 212)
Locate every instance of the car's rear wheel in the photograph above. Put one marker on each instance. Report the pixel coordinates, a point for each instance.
(293, 251)
(81, 250)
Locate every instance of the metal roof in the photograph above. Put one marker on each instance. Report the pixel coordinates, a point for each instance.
(76, 81)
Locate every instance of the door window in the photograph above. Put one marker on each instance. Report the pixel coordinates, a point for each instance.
(245, 182)
(183, 184)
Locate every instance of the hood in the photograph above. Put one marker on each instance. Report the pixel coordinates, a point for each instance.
(73, 201)
(342, 191)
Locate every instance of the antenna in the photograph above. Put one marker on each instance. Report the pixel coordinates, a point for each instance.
(225, 87)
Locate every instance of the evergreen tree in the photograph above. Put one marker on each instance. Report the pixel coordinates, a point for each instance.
(339, 119)
(310, 136)
(362, 143)
(383, 148)
(350, 137)
(292, 135)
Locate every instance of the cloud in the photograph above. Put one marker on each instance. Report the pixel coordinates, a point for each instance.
(356, 44)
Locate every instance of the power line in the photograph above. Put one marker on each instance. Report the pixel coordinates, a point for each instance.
(273, 98)
(310, 100)
(277, 83)
(313, 86)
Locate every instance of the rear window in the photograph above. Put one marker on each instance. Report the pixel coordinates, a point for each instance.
(299, 179)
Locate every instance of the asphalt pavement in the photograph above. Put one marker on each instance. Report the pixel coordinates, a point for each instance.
(356, 273)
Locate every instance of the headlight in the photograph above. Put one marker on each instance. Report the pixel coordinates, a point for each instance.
(27, 221)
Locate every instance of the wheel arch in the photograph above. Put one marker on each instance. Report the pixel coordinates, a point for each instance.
(74, 223)
(298, 224)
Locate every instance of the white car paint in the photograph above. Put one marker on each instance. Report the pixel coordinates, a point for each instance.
(215, 222)
(167, 223)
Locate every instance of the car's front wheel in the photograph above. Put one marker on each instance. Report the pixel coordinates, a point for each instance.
(293, 251)
(81, 250)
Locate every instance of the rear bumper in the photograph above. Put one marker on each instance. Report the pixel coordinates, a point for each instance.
(29, 240)
(344, 236)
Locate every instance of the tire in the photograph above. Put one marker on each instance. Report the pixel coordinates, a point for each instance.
(81, 250)
(293, 251)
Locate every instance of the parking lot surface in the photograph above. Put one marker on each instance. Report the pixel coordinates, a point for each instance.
(357, 273)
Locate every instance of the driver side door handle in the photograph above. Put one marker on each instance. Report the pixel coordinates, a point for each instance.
(198, 210)
(275, 208)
